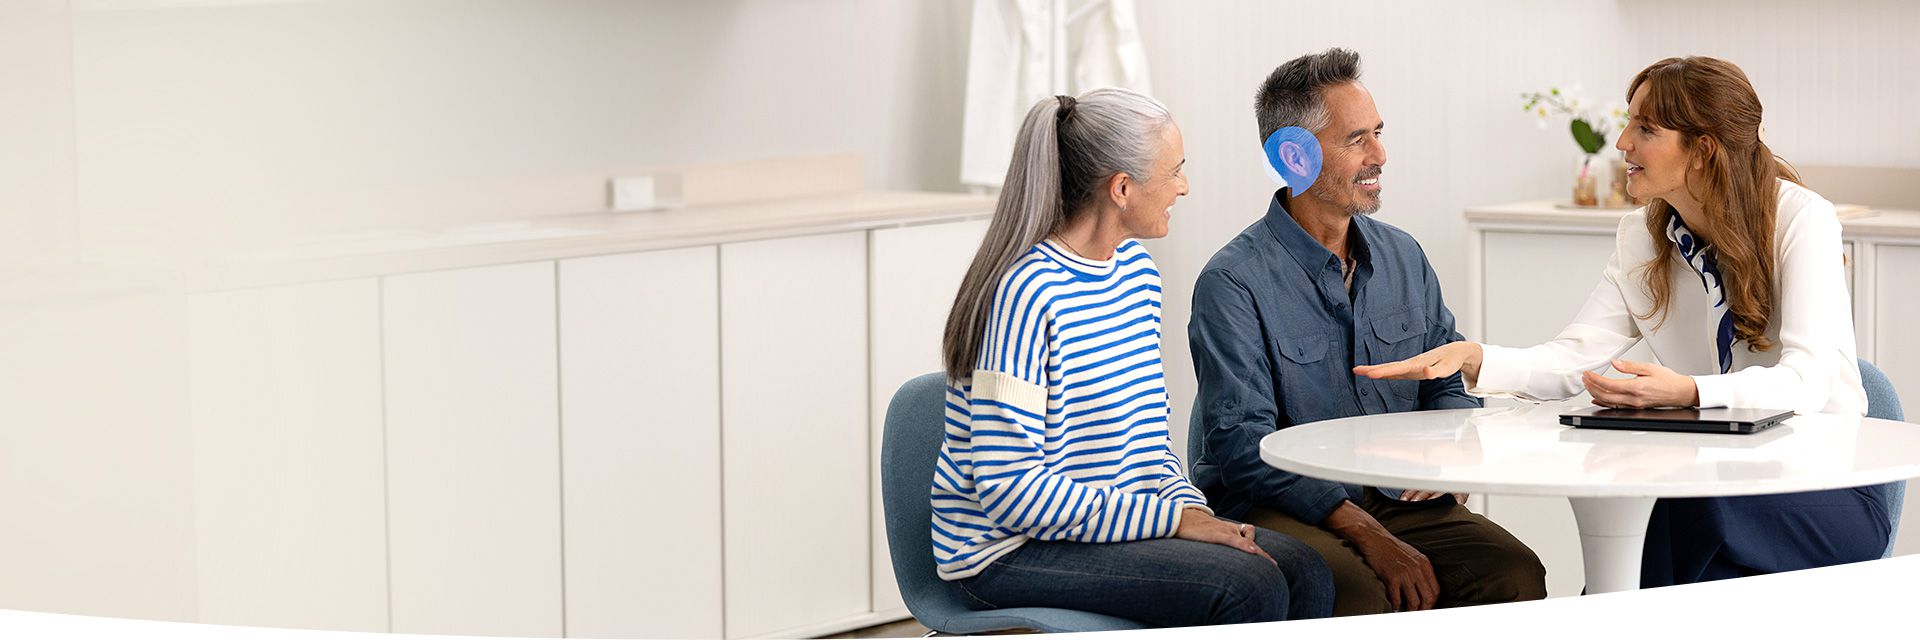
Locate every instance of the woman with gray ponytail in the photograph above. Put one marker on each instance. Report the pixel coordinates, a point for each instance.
(1056, 486)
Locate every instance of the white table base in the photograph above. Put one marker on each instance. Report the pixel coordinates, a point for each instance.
(1612, 532)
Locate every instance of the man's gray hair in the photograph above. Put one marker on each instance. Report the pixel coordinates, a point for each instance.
(1292, 95)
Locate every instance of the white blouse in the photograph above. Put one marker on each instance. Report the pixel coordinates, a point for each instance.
(1811, 368)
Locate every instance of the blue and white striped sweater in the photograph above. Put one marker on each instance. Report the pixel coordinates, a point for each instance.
(1061, 432)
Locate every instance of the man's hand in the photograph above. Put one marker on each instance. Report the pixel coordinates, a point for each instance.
(1652, 385)
(1411, 585)
(1443, 361)
(1197, 526)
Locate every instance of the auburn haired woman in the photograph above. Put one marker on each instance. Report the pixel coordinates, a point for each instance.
(1733, 274)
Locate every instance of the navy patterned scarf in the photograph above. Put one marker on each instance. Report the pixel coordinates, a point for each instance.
(1700, 256)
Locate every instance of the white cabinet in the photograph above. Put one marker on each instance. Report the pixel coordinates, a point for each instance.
(640, 438)
(95, 462)
(793, 343)
(288, 474)
(1897, 353)
(915, 273)
(473, 451)
(1535, 282)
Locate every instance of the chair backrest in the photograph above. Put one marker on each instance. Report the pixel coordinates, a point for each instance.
(1884, 403)
(1882, 400)
(1195, 439)
(914, 429)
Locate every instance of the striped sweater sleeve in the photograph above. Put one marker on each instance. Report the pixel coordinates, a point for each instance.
(1177, 488)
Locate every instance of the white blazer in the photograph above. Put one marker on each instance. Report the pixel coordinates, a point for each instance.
(1811, 368)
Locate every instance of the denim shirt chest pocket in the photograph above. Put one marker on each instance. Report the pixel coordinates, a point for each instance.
(1302, 364)
(1396, 337)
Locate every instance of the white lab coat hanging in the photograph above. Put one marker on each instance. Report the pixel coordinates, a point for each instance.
(1010, 66)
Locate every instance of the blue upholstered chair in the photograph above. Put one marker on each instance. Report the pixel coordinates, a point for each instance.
(915, 427)
(1884, 403)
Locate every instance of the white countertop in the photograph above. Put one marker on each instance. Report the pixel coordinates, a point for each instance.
(178, 264)
(1854, 220)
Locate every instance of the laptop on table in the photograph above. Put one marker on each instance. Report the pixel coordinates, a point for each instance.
(1719, 420)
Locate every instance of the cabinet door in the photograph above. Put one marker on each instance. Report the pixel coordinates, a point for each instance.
(473, 451)
(96, 479)
(640, 438)
(915, 273)
(1897, 352)
(289, 485)
(1535, 282)
(793, 344)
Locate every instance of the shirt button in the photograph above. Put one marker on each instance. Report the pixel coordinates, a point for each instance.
(1365, 391)
(1404, 325)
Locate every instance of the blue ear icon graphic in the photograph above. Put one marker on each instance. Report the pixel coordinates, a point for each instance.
(1293, 158)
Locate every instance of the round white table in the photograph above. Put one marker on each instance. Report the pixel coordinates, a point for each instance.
(1610, 477)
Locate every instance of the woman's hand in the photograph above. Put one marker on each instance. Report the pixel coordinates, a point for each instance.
(1651, 386)
(1441, 362)
(1197, 526)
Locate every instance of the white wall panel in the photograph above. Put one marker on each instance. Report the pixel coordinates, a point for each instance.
(230, 120)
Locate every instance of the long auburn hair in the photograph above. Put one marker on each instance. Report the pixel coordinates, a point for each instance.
(1713, 107)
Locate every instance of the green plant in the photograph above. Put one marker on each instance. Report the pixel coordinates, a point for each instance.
(1589, 129)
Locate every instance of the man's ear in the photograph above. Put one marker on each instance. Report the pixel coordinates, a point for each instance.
(1293, 157)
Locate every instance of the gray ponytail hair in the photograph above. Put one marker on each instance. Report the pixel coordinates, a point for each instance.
(1066, 151)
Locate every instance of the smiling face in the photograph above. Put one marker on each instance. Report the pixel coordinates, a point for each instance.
(1149, 200)
(1658, 161)
(1352, 151)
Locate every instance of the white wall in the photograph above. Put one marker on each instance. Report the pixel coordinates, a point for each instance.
(1836, 79)
(146, 122)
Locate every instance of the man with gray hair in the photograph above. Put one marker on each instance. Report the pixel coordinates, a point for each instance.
(1283, 313)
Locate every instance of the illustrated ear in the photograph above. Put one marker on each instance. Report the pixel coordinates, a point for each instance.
(1293, 155)
(1294, 158)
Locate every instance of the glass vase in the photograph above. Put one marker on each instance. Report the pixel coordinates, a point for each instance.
(1591, 173)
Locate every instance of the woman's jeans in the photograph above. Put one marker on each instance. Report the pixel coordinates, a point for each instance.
(1164, 582)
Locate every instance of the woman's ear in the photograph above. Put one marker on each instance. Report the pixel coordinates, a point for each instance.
(1119, 186)
(1703, 148)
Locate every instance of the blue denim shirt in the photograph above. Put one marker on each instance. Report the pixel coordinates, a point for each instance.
(1275, 338)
